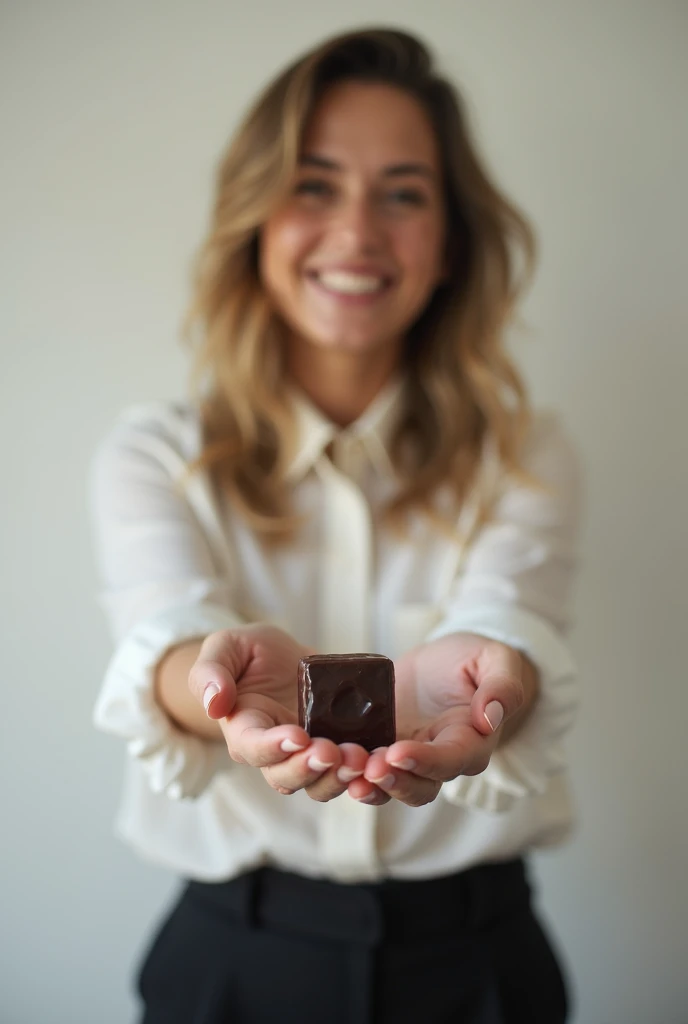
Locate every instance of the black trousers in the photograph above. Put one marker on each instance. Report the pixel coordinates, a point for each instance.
(271, 948)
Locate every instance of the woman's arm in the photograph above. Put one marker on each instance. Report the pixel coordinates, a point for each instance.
(162, 591)
(500, 640)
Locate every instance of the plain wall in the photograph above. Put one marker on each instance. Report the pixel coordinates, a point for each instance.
(113, 116)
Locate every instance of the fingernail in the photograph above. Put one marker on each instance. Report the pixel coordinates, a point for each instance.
(370, 799)
(318, 766)
(345, 774)
(407, 764)
(494, 713)
(290, 747)
(386, 782)
(209, 694)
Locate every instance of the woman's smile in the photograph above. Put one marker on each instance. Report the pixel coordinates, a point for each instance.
(350, 287)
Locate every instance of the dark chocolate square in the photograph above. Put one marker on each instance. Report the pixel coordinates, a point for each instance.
(348, 698)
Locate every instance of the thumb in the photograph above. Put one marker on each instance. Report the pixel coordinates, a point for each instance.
(499, 692)
(212, 684)
(212, 679)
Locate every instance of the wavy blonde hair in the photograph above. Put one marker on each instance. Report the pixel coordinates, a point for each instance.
(463, 388)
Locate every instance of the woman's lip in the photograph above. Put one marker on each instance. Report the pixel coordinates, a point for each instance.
(350, 298)
(359, 271)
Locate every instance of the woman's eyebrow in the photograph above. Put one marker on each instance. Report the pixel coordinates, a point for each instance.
(399, 170)
(394, 170)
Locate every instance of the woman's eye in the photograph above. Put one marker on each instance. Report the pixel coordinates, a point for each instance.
(313, 188)
(320, 189)
(407, 197)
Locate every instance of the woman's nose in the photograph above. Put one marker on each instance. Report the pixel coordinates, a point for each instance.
(357, 224)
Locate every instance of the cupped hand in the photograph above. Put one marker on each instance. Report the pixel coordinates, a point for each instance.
(247, 680)
(452, 696)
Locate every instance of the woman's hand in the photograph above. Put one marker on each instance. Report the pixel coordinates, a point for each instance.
(452, 697)
(247, 681)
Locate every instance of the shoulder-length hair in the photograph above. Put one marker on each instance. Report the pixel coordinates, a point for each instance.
(462, 389)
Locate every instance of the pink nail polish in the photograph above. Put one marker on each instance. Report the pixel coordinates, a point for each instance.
(386, 782)
(290, 747)
(209, 694)
(345, 774)
(494, 713)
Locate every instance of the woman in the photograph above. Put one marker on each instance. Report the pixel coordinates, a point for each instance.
(358, 471)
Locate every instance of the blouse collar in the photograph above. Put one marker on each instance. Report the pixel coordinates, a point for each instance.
(371, 433)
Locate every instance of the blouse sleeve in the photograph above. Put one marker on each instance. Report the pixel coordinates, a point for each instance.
(516, 587)
(160, 586)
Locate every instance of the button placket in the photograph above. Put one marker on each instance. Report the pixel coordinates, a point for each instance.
(346, 567)
(349, 457)
(347, 828)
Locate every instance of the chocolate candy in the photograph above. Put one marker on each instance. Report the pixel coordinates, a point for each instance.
(348, 698)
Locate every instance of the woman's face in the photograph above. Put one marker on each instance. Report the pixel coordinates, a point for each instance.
(354, 254)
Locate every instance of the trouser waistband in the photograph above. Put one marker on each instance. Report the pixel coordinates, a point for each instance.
(397, 911)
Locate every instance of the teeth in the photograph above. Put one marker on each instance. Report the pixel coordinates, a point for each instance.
(349, 283)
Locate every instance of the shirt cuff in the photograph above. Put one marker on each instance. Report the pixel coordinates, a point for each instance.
(176, 763)
(523, 767)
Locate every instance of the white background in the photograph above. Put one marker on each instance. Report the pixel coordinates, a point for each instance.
(113, 116)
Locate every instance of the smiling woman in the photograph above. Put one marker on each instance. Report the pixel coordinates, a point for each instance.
(355, 253)
(358, 158)
(358, 471)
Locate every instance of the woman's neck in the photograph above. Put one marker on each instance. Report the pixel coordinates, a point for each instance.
(341, 384)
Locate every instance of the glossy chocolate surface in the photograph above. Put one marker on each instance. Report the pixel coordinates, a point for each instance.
(348, 698)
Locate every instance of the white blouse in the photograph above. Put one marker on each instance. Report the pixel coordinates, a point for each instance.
(175, 564)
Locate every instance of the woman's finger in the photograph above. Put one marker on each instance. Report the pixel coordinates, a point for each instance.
(456, 749)
(499, 693)
(335, 781)
(223, 658)
(253, 738)
(404, 786)
(304, 768)
(366, 792)
(214, 686)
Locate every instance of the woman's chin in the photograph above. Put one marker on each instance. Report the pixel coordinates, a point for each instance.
(350, 343)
